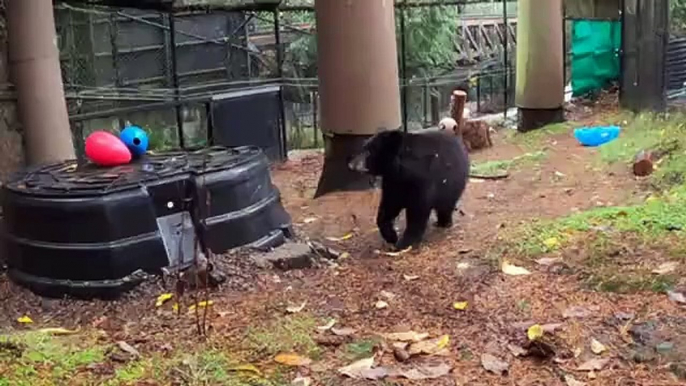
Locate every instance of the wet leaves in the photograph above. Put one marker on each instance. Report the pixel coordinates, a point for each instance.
(25, 320)
(493, 364)
(429, 347)
(597, 347)
(666, 268)
(460, 306)
(595, 364)
(513, 270)
(163, 298)
(292, 359)
(296, 309)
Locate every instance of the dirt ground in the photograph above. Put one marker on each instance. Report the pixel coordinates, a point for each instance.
(418, 287)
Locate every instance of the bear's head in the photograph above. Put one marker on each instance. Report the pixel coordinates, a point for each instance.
(379, 154)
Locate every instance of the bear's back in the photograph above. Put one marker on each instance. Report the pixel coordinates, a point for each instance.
(435, 155)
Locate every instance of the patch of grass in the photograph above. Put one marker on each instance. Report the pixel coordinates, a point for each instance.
(534, 139)
(48, 360)
(288, 334)
(657, 217)
(657, 133)
(495, 168)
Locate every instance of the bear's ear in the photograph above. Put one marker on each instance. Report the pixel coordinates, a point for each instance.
(392, 140)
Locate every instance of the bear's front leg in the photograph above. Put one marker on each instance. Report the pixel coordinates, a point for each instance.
(385, 219)
(417, 220)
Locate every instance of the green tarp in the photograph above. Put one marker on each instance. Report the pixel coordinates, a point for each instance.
(595, 54)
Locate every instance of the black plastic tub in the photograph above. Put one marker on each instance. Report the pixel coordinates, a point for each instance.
(86, 231)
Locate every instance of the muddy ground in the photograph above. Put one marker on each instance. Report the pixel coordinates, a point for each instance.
(419, 289)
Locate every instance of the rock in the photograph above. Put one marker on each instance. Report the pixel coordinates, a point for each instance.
(643, 355)
(664, 347)
(679, 370)
(287, 257)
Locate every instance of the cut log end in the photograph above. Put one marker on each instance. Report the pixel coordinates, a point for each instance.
(643, 164)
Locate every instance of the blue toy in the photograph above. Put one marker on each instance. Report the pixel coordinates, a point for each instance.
(135, 139)
(596, 136)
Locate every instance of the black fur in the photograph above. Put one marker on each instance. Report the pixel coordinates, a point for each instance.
(419, 173)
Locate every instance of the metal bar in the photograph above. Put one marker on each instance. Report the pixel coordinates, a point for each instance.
(403, 65)
(175, 79)
(279, 71)
(277, 40)
(315, 117)
(115, 56)
(506, 64)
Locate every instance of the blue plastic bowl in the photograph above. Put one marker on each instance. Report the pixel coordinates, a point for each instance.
(597, 135)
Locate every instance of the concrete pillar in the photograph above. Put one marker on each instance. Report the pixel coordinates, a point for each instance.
(35, 72)
(358, 66)
(358, 82)
(540, 59)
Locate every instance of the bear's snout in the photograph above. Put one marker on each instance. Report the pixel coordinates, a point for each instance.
(358, 163)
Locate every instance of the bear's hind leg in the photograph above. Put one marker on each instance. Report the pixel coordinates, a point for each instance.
(417, 219)
(444, 217)
(385, 219)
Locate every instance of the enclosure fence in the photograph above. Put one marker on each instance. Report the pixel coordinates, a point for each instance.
(161, 71)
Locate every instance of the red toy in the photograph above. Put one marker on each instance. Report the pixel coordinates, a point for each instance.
(106, 149)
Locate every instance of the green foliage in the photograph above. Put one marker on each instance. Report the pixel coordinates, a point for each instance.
(431, 39)
(677, 9)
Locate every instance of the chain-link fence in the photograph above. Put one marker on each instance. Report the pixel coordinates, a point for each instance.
(158, 70)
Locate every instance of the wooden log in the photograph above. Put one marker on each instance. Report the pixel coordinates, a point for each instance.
(643, 163)
(457, 101)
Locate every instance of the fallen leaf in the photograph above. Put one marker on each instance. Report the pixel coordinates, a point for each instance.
(296, 309)
(575, 312)
(551, 327)
(514, 270)
(597, 347)
(387, 295)
(362, 369)
(595, 364)
(58, 331)
(516, 350)
(309, 220)
(493, 364)
(290, 359)
(534, 332)
(162, 299)
(676, 297)
(244, 368)
(175, 307)
(202, 304)
(410, 277)
(328, 326)
(423, 372)
(301, 381)
(25, 320)
(127, 348)
(380, 305)
(551, 242)
(666, 268)
(460, 306)
(347, 236)
(343, 331)
(429, 347)
(343, 255)
(408, 336)
(393, 254)
(570, 381)
(548, 261)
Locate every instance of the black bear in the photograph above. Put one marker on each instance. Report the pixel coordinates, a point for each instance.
(419, 172)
